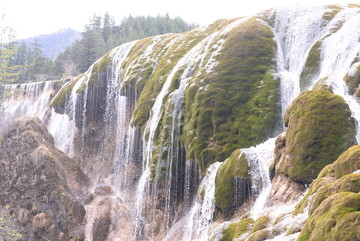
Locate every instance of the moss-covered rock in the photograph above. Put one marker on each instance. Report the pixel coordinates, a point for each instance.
(321, 84)
(235, 170)
(260, 223)
(320, 128)
(235, 230)
(352, 78)
(333, 178)
(58, 101)
(348, 162)
(215, 125)
(337, 218)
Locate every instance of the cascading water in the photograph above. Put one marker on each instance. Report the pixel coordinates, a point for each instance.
(197, 222)
(338, 51)
(259, 159)
(296, 31)
(293, 46)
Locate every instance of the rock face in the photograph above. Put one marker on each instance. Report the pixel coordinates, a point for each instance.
(320, 128)
(38, 182)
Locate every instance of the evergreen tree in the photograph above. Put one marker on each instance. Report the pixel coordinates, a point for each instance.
(8, 49)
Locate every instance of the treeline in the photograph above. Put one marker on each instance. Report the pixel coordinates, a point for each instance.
(100, 35)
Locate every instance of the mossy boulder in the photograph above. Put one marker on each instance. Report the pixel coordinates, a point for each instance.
(320, 128)
(337, 218)
(235, 230)
(232, 183)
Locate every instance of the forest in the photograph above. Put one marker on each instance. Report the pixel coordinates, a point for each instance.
(23, 63)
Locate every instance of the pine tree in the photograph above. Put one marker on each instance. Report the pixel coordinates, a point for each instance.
(8, 49)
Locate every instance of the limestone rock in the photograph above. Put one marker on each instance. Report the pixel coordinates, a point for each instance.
(38, 182)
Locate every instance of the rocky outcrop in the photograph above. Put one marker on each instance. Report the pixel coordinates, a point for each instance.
(320, 128)
(38, 182)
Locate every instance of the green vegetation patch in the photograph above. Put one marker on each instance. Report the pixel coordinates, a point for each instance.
(337, 218)
(320, 128)
(237, 104)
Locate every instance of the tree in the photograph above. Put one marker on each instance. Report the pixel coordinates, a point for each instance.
(8, 49)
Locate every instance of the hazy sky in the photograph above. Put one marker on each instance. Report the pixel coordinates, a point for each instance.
(33, 17)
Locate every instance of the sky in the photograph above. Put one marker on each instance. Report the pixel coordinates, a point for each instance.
(35, 17)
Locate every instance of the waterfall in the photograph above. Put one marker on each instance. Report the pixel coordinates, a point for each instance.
(194, 57)
(196, 224)
(338, 51)
(259, 159)
(293, 46)
(27, 99)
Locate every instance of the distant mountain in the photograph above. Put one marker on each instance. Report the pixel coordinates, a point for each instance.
(55, 43)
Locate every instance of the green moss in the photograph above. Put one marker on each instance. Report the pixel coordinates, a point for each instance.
(311, 66)
(100, 67)
(320, 128)
(260, 223)
(60, 98)
(348, 162)
(235, 230)
(215, 126)
(337, 218)
(353, 81)
(235, 166)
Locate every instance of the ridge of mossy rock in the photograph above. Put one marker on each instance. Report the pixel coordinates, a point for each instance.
(234, 169)
(337, 218)
(237, 106)
(319, 128)
(235, 230)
